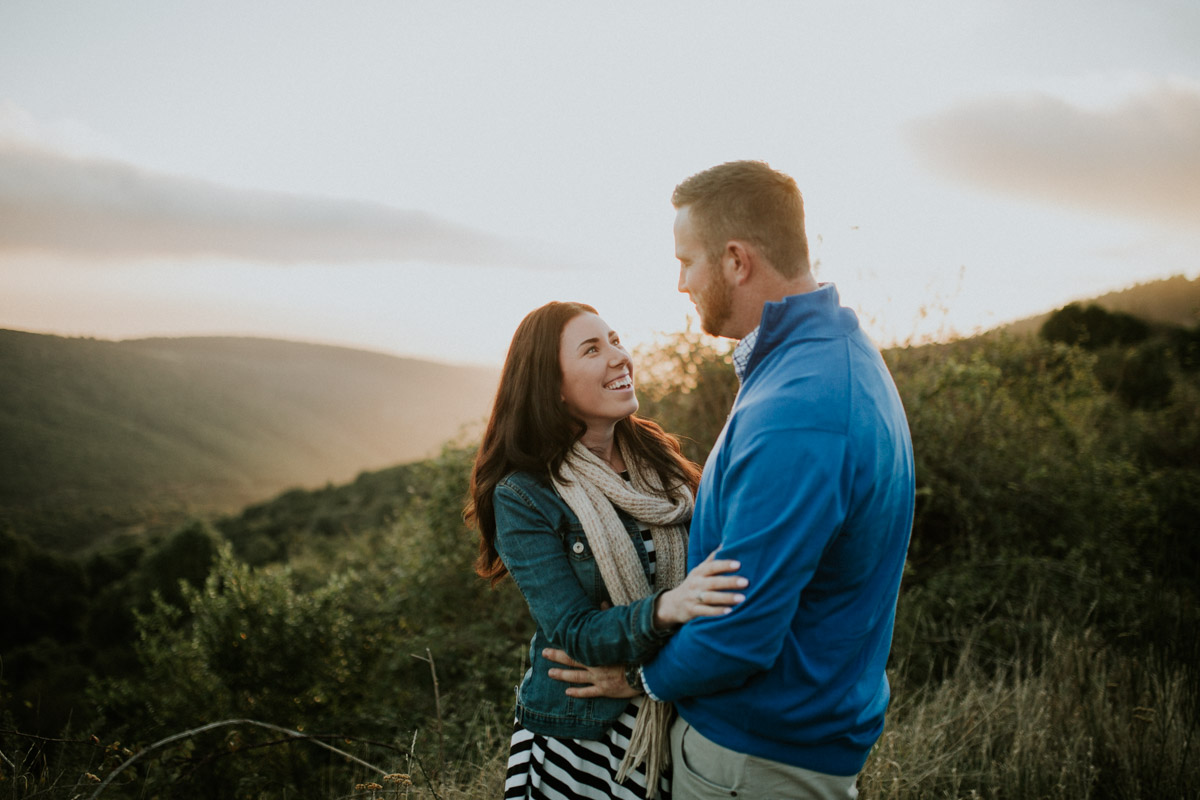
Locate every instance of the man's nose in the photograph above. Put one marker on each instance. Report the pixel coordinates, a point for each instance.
(682, 287)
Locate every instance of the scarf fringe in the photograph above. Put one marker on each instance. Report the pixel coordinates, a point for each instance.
(650, 744)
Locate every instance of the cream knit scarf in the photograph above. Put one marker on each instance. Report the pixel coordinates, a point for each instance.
(592, 489)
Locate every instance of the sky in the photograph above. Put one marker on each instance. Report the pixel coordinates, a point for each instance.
(414, 177)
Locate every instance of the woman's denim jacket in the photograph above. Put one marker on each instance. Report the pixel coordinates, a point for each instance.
(545, 550)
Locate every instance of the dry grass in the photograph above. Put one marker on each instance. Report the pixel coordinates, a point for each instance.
(1088, 723)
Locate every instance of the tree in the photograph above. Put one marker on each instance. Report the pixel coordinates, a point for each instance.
(687, 385)
(1092, 327)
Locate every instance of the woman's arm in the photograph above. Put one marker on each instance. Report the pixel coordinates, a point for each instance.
(534, 555)
(704, 593)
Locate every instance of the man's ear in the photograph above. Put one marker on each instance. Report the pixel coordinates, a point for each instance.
(738, 262)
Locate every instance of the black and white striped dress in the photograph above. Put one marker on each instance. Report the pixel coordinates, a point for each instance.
(551, 768)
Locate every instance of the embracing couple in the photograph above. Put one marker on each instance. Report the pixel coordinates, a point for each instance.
(709, 636)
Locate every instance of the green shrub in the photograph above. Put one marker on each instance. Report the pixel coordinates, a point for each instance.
(351, 654)
(1093, 327)
(687, 384)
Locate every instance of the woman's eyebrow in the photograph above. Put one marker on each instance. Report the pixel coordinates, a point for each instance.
(595, 339)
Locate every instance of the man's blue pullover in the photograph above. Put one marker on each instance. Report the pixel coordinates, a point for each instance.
(810, 486)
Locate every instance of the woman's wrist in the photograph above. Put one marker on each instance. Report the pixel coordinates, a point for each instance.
(664, 622)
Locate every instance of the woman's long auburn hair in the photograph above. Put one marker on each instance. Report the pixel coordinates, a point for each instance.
(531, 430)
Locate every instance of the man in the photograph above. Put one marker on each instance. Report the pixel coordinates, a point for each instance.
(810, 487)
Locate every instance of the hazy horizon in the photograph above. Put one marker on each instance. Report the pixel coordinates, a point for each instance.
(356, 347)
(413, 179)
(496, 364)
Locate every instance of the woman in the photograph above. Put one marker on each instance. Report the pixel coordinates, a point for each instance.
(586, 506)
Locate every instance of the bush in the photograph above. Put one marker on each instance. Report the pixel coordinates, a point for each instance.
(687, 384)
(1093, 327)
(351, 655)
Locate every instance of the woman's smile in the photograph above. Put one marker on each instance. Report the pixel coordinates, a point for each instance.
(597, 374)
(620, 383)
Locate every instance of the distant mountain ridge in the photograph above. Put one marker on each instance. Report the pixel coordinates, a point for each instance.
(1174, 301)
(98, 435)
(212, 423)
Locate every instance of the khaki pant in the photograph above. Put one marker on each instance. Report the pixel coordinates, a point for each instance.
(704, 770)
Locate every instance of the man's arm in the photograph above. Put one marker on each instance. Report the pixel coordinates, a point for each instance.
(781, 500)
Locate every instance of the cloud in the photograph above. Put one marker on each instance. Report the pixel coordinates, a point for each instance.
(1139, 158)
(98, 208)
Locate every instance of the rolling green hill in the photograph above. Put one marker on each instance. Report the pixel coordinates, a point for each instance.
(98, 435)
(114, 432)
(1173, 301)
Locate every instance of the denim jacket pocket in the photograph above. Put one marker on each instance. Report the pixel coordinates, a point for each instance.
(583, 563)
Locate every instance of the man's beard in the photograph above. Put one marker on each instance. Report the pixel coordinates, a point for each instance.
(715, 304)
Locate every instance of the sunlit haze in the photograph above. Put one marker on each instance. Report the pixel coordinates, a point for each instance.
(415, 177)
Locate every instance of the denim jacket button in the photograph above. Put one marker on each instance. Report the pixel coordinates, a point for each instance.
(578, 547)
